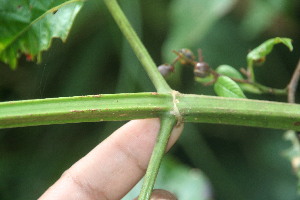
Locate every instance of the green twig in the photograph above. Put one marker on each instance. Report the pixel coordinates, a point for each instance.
(166, 125)
(294, 152)
(250, 71)
(269, 90)
(138, 47)
(161, 86)
(292, 86)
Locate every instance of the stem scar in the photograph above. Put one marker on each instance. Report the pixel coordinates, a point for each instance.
(175, 110)
(296, 123)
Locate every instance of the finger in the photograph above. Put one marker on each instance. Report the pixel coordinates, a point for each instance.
(112, 168)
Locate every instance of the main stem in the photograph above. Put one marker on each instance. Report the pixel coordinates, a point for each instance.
(116, 107)
(166, 125)
(137, 46)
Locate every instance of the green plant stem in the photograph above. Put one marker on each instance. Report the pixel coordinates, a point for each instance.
(166, 125)
(209, 109)
(116, 107)
(293, 84)
(138, 47)
(269, 90)
(259, 88)
(91, 108)
(250, 70)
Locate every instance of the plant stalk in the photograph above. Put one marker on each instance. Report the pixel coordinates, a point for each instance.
(166, 125)
(116, 107)
(269, 90)
(137, 46)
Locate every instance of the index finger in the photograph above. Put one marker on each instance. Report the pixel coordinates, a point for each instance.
(113, 167)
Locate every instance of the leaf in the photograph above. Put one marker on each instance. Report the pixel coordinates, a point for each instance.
(259, 53)
(204, 80)
(28, 26)
(246, 87)
(226, 87)
(229, 71)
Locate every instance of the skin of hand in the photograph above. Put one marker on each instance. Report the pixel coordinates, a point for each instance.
(112, 168)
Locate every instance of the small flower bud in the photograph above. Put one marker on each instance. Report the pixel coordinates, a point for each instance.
(187, 54)
(201, 69)
(165, 69)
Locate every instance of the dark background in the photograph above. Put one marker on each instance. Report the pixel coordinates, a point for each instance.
(240, 162)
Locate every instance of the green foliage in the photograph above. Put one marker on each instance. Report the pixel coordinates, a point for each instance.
(226, 87)
(28, 27)
(229, 71)
(204, 80)
(240, 162)
(258, 55)
(250, 88)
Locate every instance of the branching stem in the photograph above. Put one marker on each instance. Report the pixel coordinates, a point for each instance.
(167, 121)
(137, 46)
(116, 107)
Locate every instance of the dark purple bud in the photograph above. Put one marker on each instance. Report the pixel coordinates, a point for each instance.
(165, 69)
(188, 56)
(201, 69)
(187, 53)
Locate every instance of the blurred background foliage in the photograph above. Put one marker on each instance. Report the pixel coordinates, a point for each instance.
(240, 162)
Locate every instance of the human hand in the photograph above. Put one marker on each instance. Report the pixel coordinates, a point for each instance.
(113, 167)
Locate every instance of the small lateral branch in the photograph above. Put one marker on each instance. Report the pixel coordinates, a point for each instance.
(137, 46)
(292, 86)
(166, 126)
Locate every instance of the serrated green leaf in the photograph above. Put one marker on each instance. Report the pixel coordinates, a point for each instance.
(259, 53)
(226, 87)
(29, 26)
(229, 71)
